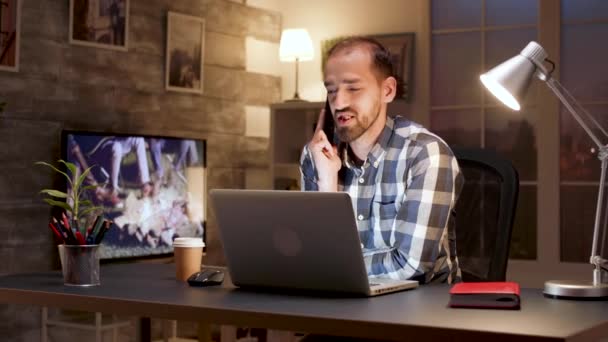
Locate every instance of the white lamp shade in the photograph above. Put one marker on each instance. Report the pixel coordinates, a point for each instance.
(295, 43)
(509, 81)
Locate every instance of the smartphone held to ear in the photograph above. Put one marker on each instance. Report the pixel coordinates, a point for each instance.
(328, 123)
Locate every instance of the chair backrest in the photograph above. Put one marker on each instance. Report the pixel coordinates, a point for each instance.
(485, 212)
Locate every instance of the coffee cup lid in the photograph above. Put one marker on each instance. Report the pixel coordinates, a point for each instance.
(188, 242)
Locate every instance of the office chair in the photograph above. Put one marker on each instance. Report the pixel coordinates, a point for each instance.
(485, 213)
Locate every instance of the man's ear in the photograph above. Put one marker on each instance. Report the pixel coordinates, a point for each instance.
(389, 89)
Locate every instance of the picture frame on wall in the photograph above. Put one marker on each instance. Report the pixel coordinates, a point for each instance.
(10, 34)
(401, 47)
(184, 53)
(100, 23)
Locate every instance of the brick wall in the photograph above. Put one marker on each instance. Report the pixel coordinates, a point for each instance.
(62, 86)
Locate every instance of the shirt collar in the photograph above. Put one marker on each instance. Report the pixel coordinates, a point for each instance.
(378, 151)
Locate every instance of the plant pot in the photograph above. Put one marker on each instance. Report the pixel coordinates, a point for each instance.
(80, 265)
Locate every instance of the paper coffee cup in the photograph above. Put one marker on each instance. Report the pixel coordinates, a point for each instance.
(188, 256)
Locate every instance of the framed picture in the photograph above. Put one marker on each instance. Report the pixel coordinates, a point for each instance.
(401, 47)
(10, 34)
(100, 23)
(184, 55)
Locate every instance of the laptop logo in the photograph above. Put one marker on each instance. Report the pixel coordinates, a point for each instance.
(286, 242)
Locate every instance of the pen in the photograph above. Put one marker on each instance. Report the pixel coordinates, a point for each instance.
(66, 223)
(66, 236)
(57, 234)
(70, 239)
(103, 231)
(90, 237)
(72, 227)
(88, 232)
(80, 238)
(97, 225)
(93, 230)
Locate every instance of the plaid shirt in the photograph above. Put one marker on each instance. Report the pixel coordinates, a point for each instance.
(403, 196)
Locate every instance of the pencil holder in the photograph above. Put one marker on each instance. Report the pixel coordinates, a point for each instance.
(81, 265)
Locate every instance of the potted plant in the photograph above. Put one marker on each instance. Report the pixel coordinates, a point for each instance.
(80, 262)
(74, 200)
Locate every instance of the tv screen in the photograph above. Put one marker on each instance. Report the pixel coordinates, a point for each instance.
(152, 188)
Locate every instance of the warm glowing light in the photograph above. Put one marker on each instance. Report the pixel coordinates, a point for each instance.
(500, 92)
(295, 43)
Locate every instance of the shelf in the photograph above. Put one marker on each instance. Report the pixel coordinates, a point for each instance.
(292, 126)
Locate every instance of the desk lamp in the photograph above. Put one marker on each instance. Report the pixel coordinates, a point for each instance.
(508, 82)
(295, 46)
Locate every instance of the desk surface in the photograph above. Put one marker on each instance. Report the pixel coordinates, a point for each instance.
(151, 290)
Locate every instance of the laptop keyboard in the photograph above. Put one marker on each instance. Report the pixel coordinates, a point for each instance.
(381, 282)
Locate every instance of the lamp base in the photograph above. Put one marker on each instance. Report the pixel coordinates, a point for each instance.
(572, 289)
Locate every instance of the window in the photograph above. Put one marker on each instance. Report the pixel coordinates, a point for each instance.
(583, 56)
(469, 37)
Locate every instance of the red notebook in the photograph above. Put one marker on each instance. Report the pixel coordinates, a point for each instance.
(490, 295)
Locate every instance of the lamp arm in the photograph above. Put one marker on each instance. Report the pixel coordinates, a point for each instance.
(595, 258)
(553, 85)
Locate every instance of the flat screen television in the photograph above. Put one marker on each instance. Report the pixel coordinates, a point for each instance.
(153, 188)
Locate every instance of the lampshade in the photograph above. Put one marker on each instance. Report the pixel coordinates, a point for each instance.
(295, 43)
(510, 80)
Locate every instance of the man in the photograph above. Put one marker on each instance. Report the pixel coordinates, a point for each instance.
(112, 151)
(121, 146)
(403, 179)
(181, 149)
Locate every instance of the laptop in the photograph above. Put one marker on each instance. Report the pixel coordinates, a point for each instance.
(295, 240)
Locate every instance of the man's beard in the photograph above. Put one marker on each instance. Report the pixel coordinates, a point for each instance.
(348, 134)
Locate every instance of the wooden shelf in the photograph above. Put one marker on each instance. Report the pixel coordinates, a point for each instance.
(291, 127)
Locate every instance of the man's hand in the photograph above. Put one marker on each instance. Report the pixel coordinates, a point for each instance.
(325, 156)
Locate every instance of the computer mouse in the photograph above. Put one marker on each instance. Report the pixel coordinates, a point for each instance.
(207, 277)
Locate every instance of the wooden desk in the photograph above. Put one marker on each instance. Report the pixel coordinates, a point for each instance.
(150, 290)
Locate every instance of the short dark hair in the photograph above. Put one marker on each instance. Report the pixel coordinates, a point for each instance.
(381, 57)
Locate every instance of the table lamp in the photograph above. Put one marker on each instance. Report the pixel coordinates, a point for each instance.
(508, 82)
(295, 46)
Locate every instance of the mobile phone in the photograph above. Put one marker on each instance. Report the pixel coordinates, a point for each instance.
(329, 126)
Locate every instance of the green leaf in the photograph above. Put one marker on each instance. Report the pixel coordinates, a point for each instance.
(82, 177)
(75, 196)
(90, 209)
(70, 166)
(84, 203)
(54, 193)
(59, 204)
(55, 169)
